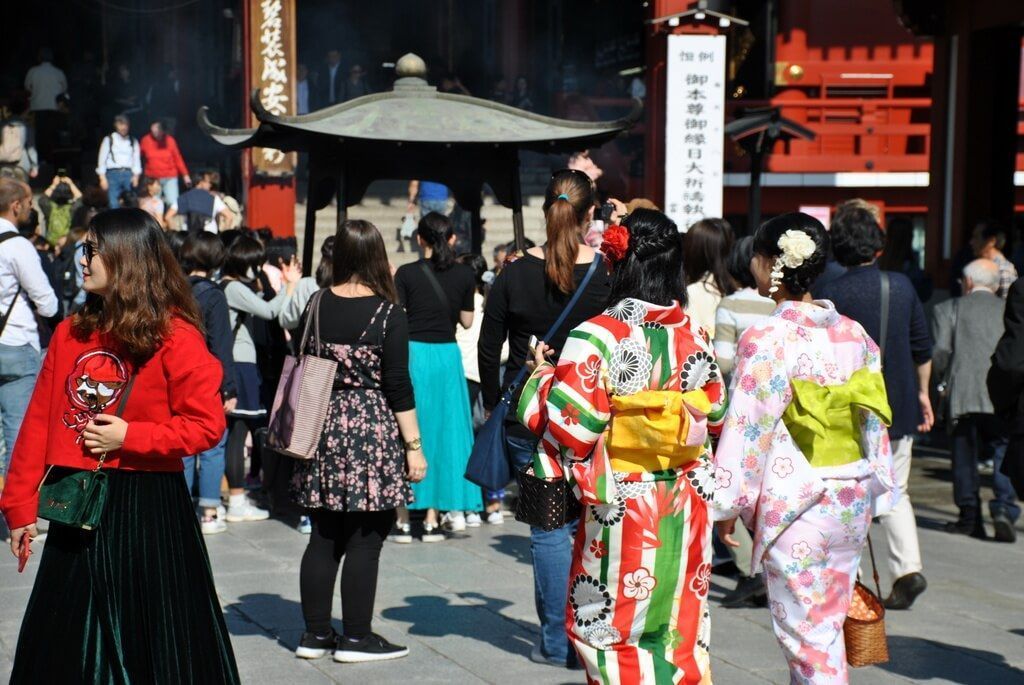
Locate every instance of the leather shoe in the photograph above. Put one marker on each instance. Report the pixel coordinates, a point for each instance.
(974, 528)
(1005, 532)
(749, 591)
(905, 590)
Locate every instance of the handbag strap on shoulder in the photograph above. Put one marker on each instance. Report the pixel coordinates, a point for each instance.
(559, 321)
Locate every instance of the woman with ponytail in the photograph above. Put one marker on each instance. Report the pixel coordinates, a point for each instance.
(526, 300)
(437, 294)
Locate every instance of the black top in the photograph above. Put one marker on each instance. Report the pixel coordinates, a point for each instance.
(858, 295)
(342, 322)
(430, 320)
(219, 338)
(523, 303)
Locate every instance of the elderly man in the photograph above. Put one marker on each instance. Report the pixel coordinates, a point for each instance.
(966, 332)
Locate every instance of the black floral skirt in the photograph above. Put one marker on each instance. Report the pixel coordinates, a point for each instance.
(130, 602)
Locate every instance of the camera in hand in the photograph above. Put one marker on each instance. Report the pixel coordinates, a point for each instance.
(604, 213)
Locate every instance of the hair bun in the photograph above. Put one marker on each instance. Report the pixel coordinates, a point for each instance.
(650, 245)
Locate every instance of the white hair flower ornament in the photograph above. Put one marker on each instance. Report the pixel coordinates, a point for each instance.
(797, 247)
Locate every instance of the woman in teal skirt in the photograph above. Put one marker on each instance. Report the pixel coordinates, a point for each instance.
(437, 294)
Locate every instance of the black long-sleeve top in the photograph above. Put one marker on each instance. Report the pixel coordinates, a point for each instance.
(522, 302)
(213, 305)
(344, 319)
(858, 295)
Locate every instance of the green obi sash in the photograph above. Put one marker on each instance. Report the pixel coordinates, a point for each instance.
(824, 420)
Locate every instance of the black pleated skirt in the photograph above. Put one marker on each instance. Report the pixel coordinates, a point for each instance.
(130, 602)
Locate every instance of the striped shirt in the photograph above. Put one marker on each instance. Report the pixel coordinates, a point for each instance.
(735, 314)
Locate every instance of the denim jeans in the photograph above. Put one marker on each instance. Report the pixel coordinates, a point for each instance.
(118, 181)
(169, 190)
(974, 435)
(428, 206)
(552, 558)
(211, 471)
(19, 367)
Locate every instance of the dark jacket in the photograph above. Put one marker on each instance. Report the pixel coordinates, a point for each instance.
(1006, 378)
(858, 295)
(214, 308)
(833, 270)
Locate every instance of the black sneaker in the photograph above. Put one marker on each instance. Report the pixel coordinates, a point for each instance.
(905, 590)
(970, 527)
(1004, 528)
(314, 647)
(749, 591)
(371, 648)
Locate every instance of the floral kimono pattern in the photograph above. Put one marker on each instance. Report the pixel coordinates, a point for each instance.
(641, 565)
(809, 523)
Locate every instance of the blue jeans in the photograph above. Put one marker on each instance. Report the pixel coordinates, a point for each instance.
(552, 558)
(976, 434)
(428, 206)
(211, 471)
(118, 181)
(19, 367)
(169, 190)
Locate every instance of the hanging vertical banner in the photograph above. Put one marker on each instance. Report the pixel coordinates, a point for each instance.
(272, 64)
(694, 128)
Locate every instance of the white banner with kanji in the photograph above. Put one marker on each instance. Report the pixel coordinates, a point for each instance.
(694, 123)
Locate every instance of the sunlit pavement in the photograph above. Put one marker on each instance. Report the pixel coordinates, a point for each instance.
(465, 608)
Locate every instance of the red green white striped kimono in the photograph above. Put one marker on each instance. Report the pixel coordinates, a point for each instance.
(641, 566)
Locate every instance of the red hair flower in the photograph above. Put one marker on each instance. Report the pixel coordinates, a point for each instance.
(615, 243)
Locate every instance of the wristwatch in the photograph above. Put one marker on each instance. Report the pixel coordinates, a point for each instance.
(413, 445)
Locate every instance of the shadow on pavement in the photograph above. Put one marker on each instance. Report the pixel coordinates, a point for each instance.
(262, 613)
(921, 660)
(515, 546)
(436, 616)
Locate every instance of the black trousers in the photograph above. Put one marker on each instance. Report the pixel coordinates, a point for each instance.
(358, 537)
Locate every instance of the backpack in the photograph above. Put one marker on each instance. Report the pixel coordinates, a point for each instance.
(12, 143)
(66, 274)
(58, 223)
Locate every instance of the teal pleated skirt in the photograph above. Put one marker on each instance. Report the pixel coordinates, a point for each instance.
(130, 602)
(446, 426)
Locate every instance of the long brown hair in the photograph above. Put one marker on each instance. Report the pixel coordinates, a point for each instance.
(359, 251)
(147, 287)
(708, 244)
(568, 198)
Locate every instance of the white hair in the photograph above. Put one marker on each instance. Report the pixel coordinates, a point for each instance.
(984, 273)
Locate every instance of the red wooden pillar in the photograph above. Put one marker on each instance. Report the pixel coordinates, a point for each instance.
(270, 65)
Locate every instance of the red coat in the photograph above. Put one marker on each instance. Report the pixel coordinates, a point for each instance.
(162, 158)
(174, 410)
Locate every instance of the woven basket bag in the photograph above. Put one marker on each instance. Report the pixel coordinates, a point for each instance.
(864, 630)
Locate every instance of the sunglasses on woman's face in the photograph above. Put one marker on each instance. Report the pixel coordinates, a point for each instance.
(90, 249)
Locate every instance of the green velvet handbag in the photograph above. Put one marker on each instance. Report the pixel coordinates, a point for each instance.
(77, 500)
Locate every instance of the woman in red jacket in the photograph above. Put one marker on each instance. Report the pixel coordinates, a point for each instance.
(132, 600)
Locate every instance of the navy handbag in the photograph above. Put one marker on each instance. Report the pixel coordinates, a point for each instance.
(488, 464)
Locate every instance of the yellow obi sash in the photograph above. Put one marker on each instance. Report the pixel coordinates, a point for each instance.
(824, 420)
(655, 430)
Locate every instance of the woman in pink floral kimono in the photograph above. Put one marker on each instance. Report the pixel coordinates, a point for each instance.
(804, 456)
(625, 416)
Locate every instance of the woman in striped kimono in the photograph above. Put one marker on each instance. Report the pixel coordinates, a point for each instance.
(625, 416)
(804, 456)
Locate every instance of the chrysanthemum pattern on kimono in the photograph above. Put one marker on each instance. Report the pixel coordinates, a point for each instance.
(809, 520)
(642, 560)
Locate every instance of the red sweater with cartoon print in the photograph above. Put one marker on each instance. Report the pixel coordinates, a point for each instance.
(174, 410)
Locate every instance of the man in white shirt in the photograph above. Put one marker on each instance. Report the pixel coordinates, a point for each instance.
(45, 82)
(301, 89)
(22, 286)
(119, 164)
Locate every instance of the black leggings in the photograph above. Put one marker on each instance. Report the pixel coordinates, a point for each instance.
(357, 536)
(234, 453)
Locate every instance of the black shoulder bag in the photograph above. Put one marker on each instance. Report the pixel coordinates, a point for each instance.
(78, 499)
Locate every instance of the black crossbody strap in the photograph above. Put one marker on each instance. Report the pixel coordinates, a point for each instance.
(124, 396)
(883, 333)
(3, 322)
(435, 284)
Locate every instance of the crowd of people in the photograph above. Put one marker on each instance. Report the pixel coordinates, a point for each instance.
(762, 392)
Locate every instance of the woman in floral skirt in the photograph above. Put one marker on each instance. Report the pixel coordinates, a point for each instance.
(804, 456)
(625, 416)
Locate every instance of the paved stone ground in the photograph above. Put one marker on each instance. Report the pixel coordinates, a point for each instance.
(465, 607)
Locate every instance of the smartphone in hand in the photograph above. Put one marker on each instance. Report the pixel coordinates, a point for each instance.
(24, 551)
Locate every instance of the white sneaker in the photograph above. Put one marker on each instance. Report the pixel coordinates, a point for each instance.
(305, 526)
(454, 522)
(472, 520)
(221, 512)
(402, 534)
(432, 533)
(495, 518)
(212, 526)
(247, 511)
